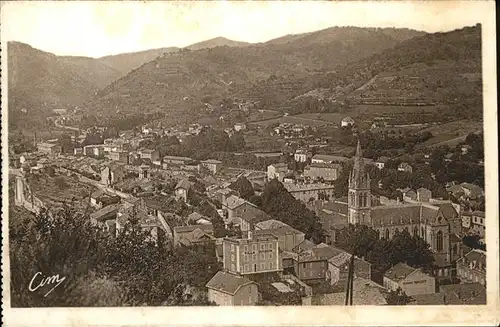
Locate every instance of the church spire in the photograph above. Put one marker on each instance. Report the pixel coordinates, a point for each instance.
(358, 150)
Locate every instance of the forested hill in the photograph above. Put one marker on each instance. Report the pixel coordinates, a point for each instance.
(442, 68)
(176, 83)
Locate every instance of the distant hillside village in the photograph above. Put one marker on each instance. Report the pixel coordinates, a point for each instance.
(282, 224)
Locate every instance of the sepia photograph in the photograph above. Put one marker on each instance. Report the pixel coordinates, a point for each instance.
(260, 155)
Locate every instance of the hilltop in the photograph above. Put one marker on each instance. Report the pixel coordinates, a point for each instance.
(178, 83)
(216, 42)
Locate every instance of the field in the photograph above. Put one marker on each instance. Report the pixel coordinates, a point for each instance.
(364, 109)
(334, 118)
(299, 119)
(451, 133)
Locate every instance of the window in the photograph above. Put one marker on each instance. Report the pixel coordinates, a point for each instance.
(397, 231)
(270, 246)
(232, 257)
(423, 233)
(233, 267)
(262, 256)
(304, 265)
(270, 265)
(241, 268)
(232, 247)
(254, 247)
(262, 246)
(262, 266)
(246, 248)
(387, 234)
(246, 268)
(270, 255)
(254, 257)
(439, 241)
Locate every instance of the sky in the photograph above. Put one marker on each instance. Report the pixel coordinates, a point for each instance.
(97, 29)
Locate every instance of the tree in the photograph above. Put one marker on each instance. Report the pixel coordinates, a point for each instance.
(243, 186)
(281, 205)
(238, 141)
(66, 143)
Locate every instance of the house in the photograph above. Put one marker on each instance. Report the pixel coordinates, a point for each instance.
(198, 219)
(236, 207)
(365, 292)
(471, 268)
(193, 235)
(310, 192)
(152, 155)
(226, 288)
(121, 156)
(405, 167)
(182, 190)
(103, 215)
(411, 280)
(277, 171)
(112, 173)
(423, 195)
(173, 160)
(478, 223)
(381, 161)
(323, 171)
(325, 158)
(78, 151)
(466, 221)
(472, 192)
(49, 148)
(453, 294)
(347, 121)
(301, 155)
(212, 165)
(239, 126)
(288, 237)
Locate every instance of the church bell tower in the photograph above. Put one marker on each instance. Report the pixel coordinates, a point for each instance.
(359, 197)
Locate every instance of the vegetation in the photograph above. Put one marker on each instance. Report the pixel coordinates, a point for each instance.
(102, 271)
(281, 205)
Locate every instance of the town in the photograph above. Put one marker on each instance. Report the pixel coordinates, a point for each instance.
(303, 222)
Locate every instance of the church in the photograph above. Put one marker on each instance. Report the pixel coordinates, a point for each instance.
(437, 222)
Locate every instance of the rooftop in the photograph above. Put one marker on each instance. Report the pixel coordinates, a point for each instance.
(399, 271)
(227, 283)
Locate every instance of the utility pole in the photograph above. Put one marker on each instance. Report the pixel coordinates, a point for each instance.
(350, 282)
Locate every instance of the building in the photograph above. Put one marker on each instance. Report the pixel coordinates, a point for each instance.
(182, 190)
(428, 221)
(193, 235)
(325, 158)
(411, 280)
(347, 121)
(78, 151)
(230, 289)
(453, 294)
(478, 223)
(405, 167)
(423, 195)
(365, 292)
(471, 268)
(288, 237)
(301, 155)
(466, 221)
(242, 213)
(173, 160)
(310, 192)
(472, 191)
(121, 156)
(112, 173)
(257, 254)
(49, 148)
(323, 171)
(152, 155)
(212, 165)
(380, 162)
(278, 171)
(239, 127)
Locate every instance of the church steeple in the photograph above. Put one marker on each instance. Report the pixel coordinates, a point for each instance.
(359, 198)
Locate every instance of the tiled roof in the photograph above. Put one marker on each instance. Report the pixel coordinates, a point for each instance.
(478, 214)
(183, 183)
(399, 271)
(476, 255)
(453, 294)
(105, 212)
(97, 194)
(233, 202)
(188, 229)
(227, 282)
(336, 206)
(365, 292)
(270, 224)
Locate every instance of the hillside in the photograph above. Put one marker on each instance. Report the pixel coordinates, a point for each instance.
(126, 62)
(41, 81)
(178, 82)
(426, 71)
(216, 42)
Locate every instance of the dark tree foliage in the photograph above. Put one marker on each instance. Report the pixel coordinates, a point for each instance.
(363, 241)
(243, 186)
(101, 270)
(398, 297)
(281, 205)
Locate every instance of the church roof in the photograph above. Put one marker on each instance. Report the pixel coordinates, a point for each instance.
(402, 214)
